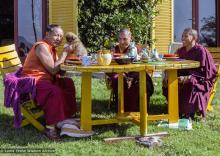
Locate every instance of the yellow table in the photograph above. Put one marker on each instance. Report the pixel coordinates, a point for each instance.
(138, 118)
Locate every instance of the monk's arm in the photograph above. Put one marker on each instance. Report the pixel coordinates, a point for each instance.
(47, 60)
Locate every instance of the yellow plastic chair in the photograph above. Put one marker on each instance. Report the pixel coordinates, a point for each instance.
(10, 62)
(213, 90)
(215, 52)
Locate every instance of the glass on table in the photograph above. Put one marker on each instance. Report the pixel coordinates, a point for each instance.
(94, 58)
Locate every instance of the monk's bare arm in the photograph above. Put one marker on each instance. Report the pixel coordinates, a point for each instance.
(47, 60)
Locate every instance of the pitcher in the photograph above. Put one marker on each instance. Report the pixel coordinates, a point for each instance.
(104, 57)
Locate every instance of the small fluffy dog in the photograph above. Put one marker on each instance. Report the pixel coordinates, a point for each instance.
(78, 47)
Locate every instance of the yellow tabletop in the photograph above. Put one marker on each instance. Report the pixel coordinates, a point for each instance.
(185, 64)
(139, 118)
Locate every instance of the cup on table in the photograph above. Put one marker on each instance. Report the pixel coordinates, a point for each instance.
(160, 56)
(86, 60)
(94, 58)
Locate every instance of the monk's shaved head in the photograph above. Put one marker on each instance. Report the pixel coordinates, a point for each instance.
(125, 31)
(192, 32)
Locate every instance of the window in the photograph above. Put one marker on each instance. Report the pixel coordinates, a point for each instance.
(29, 24)
(200, 15)
(207, 22)
(182, 17)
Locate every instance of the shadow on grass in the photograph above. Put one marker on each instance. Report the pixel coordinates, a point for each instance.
(99, 106)
(18, 136)
(118, 129)
(158, 109)
(103, 131)
(29, 135)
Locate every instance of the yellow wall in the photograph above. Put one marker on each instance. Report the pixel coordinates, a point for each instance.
(163, 32)
(64, 13)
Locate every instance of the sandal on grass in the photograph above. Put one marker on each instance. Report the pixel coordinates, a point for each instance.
(74, 131)
(52, 134)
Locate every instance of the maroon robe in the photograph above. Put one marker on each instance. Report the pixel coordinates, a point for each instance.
(131, 93)
(57, 99)
(194, 95)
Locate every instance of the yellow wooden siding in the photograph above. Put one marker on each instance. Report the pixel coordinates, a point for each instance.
(163, 32)
(215, 51)
(64, 13)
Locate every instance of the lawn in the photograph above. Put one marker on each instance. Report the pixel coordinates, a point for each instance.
(203, 140)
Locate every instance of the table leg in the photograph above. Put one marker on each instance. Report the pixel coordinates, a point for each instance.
(120, 93)
(86, 104)
(143, 103)
(173, 107)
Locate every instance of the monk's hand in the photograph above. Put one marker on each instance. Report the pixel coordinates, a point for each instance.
(181, 79)
(184, 79)
(129, 81)
(187, 78)
(68, 49)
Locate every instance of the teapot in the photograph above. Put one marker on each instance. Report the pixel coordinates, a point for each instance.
(132, 50)
(104, 57)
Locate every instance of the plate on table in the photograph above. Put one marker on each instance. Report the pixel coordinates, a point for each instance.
(73, 58)
(171, 58)
(72, 62)
(170, 55)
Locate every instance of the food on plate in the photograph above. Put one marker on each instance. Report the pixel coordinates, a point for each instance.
(170, 55)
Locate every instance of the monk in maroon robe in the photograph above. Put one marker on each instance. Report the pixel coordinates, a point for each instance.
(195, 84)
(131, 79)
(55, 95)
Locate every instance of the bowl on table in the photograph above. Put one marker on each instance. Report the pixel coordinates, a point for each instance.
(123, 60)
(118, 54)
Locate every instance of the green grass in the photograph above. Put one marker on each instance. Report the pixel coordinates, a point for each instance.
(203, 140)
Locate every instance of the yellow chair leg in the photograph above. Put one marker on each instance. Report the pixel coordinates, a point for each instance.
(32, 120)
(209, 108)
(36, 116)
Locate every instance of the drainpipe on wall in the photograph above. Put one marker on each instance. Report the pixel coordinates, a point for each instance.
(152, 33)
